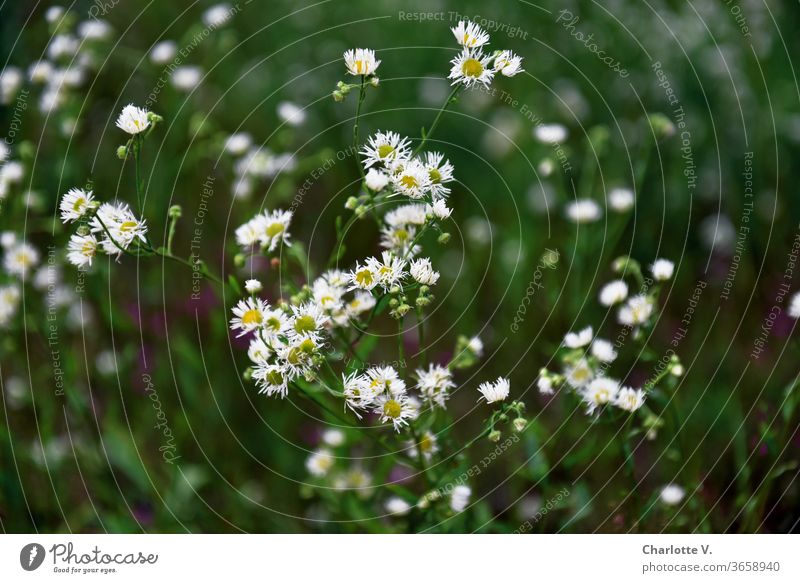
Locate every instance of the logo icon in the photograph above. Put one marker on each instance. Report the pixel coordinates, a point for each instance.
(31, 556)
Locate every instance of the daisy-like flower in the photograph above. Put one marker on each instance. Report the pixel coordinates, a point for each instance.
(395, 409)
(260, 349)
(794, 307)
(9, 300)
(376, 180)
(439, 209)
(81, 249)
(545, 384)
(326, 296)
(496, 391)
(361, 302)
(440, 172)
(422, 271)
(508, 64)
(578, 339)
(412, 179)
(300, 352)
(620, 199)
(399, 240)
(579, 374)
(163, 52)
(662, 269)
(252, 286)
(75, 204)
(636, 311)
(603, 350)
(385, 379)
(435, 383)
(613, 292)
(308, 319)
(20, 259)
(672, 494)
(358, 392)
(333, 437)
(629, 399)
(272, 379)
(471, 67)
(366, 276)
(583, 211)
(238, 143)
(475, 346)
(460, 498)
(428, 444)
(249, 314)
(409, 214)
(40, 71)
(469, 35)
(268, 229)
(133, 120)
(386, 148)
(361, 62)
(117, 226)
(291, 113)
(599, 392)
(275, 322)
(389, 269)
(217, 15)
(319, 463)
(397, 506)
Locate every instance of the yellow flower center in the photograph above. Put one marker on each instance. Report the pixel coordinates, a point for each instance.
(392, 409)
(273, 323)
(409, 182)
(275, 378)
(305, 324)
(435, 175)
(472, 68)
(401, 234)
(78, 204)
(385, 150)
(364, 278)
(88, 248)
(252, 317)
(127, 226)
(274, 229)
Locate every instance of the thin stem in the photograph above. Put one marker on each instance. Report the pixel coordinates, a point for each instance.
(361, 95)
(137, 144)
(173, 223)
(427, 134)
(421, 335)
(423, 467)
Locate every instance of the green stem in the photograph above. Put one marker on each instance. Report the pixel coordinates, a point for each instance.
(361, 95)
(427, 134)
(421, 335)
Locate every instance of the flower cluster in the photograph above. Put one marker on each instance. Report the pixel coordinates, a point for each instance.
(472, 66)
(255, 163)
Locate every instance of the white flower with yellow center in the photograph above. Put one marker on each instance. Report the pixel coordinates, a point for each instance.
(578, 339)
(75, 204)
(360, 62)
(579, 374)
(272, 379)
(260, 349)
(319, 463)
(439, 209)
(428, 444)
(412, 180)
(117, 226)
(399, 240)
(435, 383)
(361, 302)
(394, 409)
(636, 311)
(385, 379)
(386, 148)
(470, 35)
(471, 67)
(20, 259)
(298, 355)
(496, 391)
(599, 392)
(308, 318)
(359, 394)
(365, 277)
(81, 249)
(440, 172)
(409, 214)
(133, 120)
(508, 64)
(389, 269)
(422, 272)
(613, 292)
(249, 314)
(268, 229)
(629, 399)
(328, 297)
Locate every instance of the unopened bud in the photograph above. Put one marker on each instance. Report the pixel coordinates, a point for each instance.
(495, 435)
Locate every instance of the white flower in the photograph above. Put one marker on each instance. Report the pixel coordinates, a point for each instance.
(409, 214)
(475, 346)
(319, 463)
(545, 384)
(553, 133)
(662, 269)
(385, 379)
(238, 143)
(117, 226)
(629, 399)
(613, 292)
(333, 437)
(10, 82)
(163, 52)
(578, 339)
(360, 61)
(422, 271)
(249, 314)
(600, 391)
(583, 211)
(9, 300)
(272, 379)
(435, 383)
(439, 209)
(74, 204)
(460, 498)
(397, 506)
(217, 15)
(496, 391)
(471, 67)
(308, 319)
(11, 172)
(94, 29)
(603, 350)
(260, 349)
(508, 64)
(186, 78)
(376, 180)
(62, 45)
(794, 306)
(470, 35)
(412, 179)
(20, 259)
(620, 199)
(133, 119)
(395, 409)
(268, 229)
(358, 392)
(7, 239)
(81, 249)
(636, 311)
(440, 172)
(54, 13)
(672, 494)
(252, 286)
(364, 277)
(390, 269)
(386, 148)
(40, 71)
(579, 375)
(291, 113)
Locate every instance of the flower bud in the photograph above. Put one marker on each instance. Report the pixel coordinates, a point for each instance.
(375, 81)
(351, 203)
(338, 97)
(444, 238)
(175, 211)
(495, 435)
(238, 260)
(154, 117)
(520, 423)
(122, 152)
